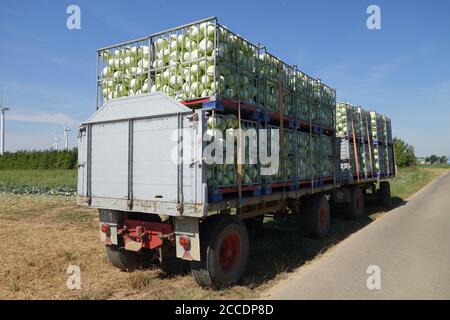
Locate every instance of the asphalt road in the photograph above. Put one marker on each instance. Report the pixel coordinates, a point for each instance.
(410, 245)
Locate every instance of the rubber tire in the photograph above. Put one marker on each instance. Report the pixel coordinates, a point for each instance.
(127, 260)
(254, 222)
(207, 272)
(355, 210)
(311, 217)
(384, 194)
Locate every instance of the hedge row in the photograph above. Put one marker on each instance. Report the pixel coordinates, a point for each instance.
(47, 159)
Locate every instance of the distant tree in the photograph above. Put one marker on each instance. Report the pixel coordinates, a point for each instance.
(404, 153)
(427, 159)
(434, 158)
(443, 160)
(46, 159)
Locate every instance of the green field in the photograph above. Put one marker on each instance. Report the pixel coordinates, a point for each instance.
(57, 181)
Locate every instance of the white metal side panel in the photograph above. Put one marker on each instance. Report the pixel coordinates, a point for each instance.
(155, 174)
(191, 175)
(139, 106)
(109, 160)
(82, 162)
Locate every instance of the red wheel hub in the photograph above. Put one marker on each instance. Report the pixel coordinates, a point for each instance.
(229, 251)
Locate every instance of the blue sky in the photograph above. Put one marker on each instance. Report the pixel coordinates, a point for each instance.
(47, 72)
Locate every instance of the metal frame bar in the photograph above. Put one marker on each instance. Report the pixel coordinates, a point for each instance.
(130, 162)
(180, 195)
(89, 163)
(156, 34)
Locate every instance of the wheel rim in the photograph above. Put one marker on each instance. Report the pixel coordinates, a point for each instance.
(229, 252)
(323, 217)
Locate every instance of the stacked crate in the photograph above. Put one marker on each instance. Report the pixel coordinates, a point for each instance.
(323, 162)
(354, 131)
(224, 174)
(204, 62)
(381, 130)
(290, 152)
(305, 164)
(371, 135)
(280, 174)
(366, 148)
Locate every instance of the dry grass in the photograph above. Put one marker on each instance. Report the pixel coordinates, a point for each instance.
(41, 236)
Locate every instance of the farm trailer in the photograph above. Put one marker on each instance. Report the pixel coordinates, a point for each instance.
(153, 207)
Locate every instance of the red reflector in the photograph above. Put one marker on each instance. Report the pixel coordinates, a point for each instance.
(184, 241)
(105, 228)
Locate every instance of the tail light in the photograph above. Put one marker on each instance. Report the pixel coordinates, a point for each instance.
(185, 242)
(105, 228)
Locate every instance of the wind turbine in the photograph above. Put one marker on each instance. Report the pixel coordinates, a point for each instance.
(2, 124)
(55, 145)
(66, 138)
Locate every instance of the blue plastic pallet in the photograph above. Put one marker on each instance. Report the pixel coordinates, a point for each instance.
(292, 124)
(317, 183)
(294, 186)
(265, 116)
(255, 115)
(215, 197)
(213, 105)
(266, 190)
(317, 130)
(256, 192)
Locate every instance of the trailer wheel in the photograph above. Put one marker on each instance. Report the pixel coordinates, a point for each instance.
(316, 217)
(128, 260)
(224, 248)
(384, 194)
(355, 209)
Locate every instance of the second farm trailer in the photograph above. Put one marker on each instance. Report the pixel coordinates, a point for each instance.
(167, 96)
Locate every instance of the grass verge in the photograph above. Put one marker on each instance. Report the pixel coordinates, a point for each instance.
(411, 180)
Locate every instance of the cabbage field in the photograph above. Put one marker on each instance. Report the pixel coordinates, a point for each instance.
(43, 182)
